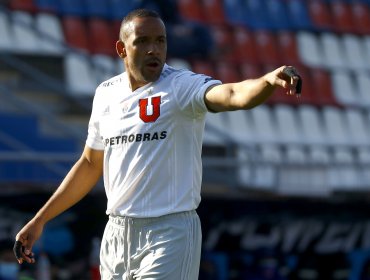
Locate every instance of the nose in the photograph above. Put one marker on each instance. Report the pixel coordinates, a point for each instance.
(153, 48)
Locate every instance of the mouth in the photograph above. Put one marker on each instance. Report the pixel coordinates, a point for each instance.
(153, 64)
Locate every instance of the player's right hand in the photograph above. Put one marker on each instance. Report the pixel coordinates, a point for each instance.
(24, 241)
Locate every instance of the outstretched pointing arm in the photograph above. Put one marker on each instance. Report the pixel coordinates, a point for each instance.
(250, 93)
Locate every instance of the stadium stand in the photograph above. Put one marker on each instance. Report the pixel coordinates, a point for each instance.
(327, 41)
(53, 54)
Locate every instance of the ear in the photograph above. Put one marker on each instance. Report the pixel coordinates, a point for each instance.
(120, 48)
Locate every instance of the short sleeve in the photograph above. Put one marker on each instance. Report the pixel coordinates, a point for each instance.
(94, 139)
(190, 90)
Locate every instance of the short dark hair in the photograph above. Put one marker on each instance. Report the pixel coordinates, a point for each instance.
(138, 13)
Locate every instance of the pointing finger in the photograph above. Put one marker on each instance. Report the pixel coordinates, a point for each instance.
(17, 249)
(293, 74)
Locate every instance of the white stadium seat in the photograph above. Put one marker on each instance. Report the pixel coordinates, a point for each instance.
(309, 49)
(50, 32)
(104, 67)
(79, 76)
(25, 37)
(6, 42)
(362, 80)
(354, 52)
(345, 88)
(333, 55)
(215, 129)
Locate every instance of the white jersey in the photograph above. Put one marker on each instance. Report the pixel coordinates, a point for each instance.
(152, 141)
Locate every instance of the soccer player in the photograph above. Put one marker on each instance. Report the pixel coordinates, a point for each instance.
(145, 138)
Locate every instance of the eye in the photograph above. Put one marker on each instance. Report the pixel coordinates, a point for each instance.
(162, 40)
(140, 41)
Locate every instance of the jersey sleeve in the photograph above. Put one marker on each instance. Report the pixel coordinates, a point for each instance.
(93, 135)
(190, 90)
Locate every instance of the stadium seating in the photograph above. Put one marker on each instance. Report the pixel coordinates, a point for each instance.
(104, 67)
(345, 89)
(23, 5)
(79, 75)
(75, 32)
(257, 15)
(101, 37)
(50, 32)
(288, 48)
(49, 6)
(309, 49)
(361, 17)
(25, 38)
(354, 52)
(235, 12)
(342, 16)
(6, 42)
(214, 12)
(227, 72)
(223, 37)
(363, 83)
(71, 8)
(245, 49)
(99, 9)
(277, 13)
(320, 15)
(333, 54)
(191, 10)
(299, 15)
(328, 42)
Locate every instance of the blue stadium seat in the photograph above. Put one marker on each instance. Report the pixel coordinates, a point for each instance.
(47, 5)
(24, 129)
(235, 12)
(71, 8)
(278, 14)
(27, 171)
(298, 14)
(258, 16)
(97, 8)
(5, 147)
(120, 8)
(13, 124)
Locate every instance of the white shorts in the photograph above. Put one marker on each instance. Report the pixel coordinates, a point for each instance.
(166, 247)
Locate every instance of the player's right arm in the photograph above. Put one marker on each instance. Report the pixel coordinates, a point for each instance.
(79, 181)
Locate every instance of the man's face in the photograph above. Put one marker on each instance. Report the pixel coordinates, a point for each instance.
(145, 50)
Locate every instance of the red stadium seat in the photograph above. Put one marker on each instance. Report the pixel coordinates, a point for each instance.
(191, 10)
(75, 32)
(245, 48)
(280, 96)
(361, 18)
(224, 41)
(288, 48)
(320, 14)
(250, 71)
(267, 48)
(342, 16)
(116, 26)
(322, 87)
(214, 11)
(308, 95)
(102, 40)
(23, 5)
(227, 72)
(203, 67)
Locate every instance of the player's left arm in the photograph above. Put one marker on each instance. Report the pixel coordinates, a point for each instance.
(250, 93)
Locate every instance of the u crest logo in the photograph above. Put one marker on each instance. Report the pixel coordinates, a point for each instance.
(156, 112)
